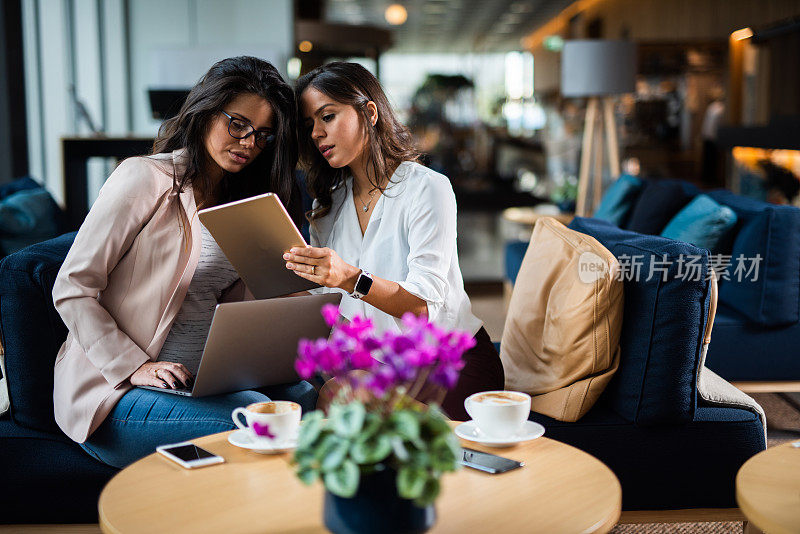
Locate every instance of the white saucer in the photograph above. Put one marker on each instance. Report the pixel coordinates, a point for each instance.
(469, 430)
(244, 439)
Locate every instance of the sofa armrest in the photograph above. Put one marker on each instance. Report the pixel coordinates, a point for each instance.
(716, 391)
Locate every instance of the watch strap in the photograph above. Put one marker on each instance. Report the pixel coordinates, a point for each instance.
(363, 285)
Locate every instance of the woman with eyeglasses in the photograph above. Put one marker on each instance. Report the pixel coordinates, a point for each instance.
(138, 288)
(383, 227)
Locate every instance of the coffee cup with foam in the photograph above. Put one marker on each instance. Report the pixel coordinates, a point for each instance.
(499, 414)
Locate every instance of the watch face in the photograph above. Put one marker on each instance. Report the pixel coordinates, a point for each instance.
(363, 284)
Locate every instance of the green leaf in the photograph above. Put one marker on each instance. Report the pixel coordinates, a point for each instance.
(347, 420)
(411, 482)
(399, 449)
(372, 424)
(406, 424)
(304, 457)
(313, 424)
(435, 422)
(429, 492)
(371, 450)
(344, 481)
(420, 459)
(332, 452)
(307, 475)
(444, 453)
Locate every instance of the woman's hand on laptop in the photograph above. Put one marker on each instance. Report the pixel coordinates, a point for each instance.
(322, 266)
(168, 375)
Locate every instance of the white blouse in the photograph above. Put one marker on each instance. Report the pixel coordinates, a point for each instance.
(410, 239)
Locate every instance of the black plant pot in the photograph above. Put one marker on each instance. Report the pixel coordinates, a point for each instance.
(376, 508)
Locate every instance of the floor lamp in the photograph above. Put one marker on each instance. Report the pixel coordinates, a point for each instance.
(597, 69)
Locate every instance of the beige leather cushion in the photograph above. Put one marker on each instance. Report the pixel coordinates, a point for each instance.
(561, 337)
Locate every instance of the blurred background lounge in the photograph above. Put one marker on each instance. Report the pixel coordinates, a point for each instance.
(714, 97)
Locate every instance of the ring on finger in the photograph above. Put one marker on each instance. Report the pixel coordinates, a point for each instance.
(314, 270)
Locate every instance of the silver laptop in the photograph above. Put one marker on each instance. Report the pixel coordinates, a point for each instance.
(254, 233)
(254, 343)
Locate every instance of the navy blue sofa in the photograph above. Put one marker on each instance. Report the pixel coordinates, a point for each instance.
(46, 477)
(669, 448)
(757, 328)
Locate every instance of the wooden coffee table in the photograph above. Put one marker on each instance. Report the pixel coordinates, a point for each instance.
(560, 489)
(768, 489)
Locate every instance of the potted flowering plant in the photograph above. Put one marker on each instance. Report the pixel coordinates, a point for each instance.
(379, 452)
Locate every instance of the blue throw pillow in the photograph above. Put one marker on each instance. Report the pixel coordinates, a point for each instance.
(702, 222)
(767, 245)
(618, 201)
(658, 203)
(664, 317)
(20, 184)
(28, 216)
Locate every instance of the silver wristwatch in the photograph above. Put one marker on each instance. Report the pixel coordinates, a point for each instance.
(363, 284)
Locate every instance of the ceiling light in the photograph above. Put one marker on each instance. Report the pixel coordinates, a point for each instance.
(395, 14)
(293, 68)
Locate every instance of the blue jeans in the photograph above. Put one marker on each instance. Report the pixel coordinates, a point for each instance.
(144, 419)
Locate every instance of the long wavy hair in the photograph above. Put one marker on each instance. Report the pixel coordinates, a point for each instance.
(273, 169)
(389, 142)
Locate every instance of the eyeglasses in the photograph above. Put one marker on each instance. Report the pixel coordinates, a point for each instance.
(241, 129)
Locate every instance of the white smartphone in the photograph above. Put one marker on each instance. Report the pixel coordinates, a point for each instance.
(188, 455)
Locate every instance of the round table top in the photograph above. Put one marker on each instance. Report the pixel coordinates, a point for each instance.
(768, 489)
(560, 489)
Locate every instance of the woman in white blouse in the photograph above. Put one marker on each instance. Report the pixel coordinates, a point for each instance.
(383, 227)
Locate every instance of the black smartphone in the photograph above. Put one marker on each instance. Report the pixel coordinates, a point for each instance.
(489, 463)
(189, 455)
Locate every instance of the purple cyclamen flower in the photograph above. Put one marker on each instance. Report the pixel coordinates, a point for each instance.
(357, 327)
(445, 376)
(421, 347)
(371, 343)
(331, 314)
(422, 356)
(330, 361)
(401, 343)
(305, 368)
(305, 348)
(382, 379)
(361, 359)
(413, 322)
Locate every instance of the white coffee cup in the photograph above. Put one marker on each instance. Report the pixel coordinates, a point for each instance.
(499, 414)
(281, 417)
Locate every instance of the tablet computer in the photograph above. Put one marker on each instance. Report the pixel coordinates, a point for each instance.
(254, 233)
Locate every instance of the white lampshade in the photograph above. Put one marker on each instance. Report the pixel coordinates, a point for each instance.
(595, 67)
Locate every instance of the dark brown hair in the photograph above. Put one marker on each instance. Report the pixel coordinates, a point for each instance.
(390, 142)
(273, 169)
